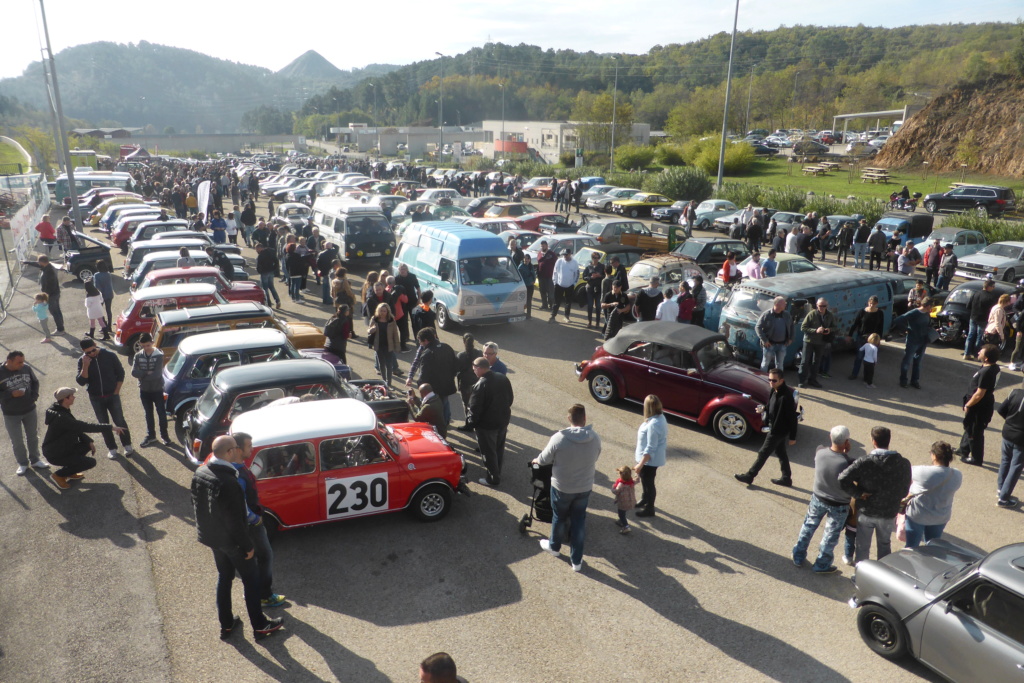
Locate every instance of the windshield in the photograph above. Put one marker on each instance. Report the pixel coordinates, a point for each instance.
(1003, 250)
(592, 228)
(743, 300)
(388, 435)
(208, 402)
(487, 270)
(368, 225)
(691, 249)
(711, 355)
(296, 212)
(643, 271)
(176, 362)
(960, 296)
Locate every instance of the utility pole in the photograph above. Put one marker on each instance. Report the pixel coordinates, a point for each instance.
(440, 111)
(750, 91)
(53, 115)
(615, 92)
(72, 189)
(728, 87)
(502, 86)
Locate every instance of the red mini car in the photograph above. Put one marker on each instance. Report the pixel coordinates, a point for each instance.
(232, 291)
(140, 313)
(323, 461)
(532, 221)
(691, 369)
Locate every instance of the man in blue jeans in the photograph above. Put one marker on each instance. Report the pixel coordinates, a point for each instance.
(257, 527)
(978, 309)
(918, 323)
(573, 454)
(827, 500)
(774, 330)
(100, 371)
(267, 267)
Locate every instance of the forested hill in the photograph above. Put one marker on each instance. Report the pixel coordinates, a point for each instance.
(111, 84)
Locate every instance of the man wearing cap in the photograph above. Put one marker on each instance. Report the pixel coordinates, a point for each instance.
(66, 443)
(947, 268)
(564, 277)
(19, 391)
(101, 372)
(978, 308)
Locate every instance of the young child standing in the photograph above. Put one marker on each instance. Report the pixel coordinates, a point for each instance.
(94, 311)
(624, 490)
(42, 310)
(870, 350)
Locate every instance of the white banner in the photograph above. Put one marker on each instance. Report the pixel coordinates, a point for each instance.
(203, 197)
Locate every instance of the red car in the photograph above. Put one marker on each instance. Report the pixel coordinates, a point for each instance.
(140, 313)
(532, 221)
(322, 461)
(232, 291)
(691, 369)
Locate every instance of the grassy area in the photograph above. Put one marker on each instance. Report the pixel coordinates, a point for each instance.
(779, 173)
(9, 154)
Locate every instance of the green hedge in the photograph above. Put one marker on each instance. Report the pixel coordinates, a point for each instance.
(995, 230)
(679, 182)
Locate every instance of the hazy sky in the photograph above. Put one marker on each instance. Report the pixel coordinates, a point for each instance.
(353, 34)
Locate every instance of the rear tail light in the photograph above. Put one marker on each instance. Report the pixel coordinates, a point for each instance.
(196, 445)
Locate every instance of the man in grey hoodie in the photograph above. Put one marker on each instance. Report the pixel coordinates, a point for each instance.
(573, 454)
(148, 368)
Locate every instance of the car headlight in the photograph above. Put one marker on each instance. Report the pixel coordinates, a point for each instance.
(352, 246)
(469, 300)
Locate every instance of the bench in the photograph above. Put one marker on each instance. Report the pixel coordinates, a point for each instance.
(874, 176)
(830, 165)
(814, 170)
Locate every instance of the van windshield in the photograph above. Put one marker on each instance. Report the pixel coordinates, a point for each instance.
(487, 270)
(368, 226)
(751, 301)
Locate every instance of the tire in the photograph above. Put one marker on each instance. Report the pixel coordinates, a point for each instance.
(84, 274)
(431, 503)
(633, 213)
(981, 211)
(179, 423)
(882, 632)
(730, 425)
(606, 207)
(579, 297)
(134, 345)
(930, 206)
(704, 224)
(444, 320)
(530, 194)
(1009, 275)
(272, 524)
(602, 388)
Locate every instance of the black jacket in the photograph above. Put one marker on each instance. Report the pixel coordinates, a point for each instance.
(105, 371)
(438, 367)
(981, 305)
(882, 473)
(220, 508)
(266, 263)
(490, 404)
(221, 260)
(325, 260)
(66, 435)
(411, 284)
(48, 282)
(464, 367)
(781, 413)
(1012, 411)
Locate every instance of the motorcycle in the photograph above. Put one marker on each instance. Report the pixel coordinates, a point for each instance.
(899, 203)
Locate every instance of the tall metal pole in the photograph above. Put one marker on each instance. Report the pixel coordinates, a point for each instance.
(728, 87)
(750, 91)
(502, 86)
(615, 92)
(795, 77)
(440, 111)
(53, 115)
(68, 165)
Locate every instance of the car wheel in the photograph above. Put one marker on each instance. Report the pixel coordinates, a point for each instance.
(179, 425)
(633, 213)
(134, 345)
(981, 211)
(580, 296)
(602, 388)
(1009, 275)
(730, 424)
(607, 206)
(882, 631)
(705, 224)
(272, 524)
(444, 320)
(930, 206)
(431, 503)
(530, 194)
(84, 274)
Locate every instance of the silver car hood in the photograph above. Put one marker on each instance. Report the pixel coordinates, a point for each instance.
(988, 260)
(929, 562)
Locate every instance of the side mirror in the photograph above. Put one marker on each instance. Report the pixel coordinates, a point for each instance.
(949, 607)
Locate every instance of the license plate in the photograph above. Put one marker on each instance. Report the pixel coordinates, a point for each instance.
(517, 319)
(373, 253)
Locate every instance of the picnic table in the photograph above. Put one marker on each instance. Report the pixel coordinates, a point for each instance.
(874, 175)
(830, 165)
(815, 170)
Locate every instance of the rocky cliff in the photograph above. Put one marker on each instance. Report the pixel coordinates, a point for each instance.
(980, 124)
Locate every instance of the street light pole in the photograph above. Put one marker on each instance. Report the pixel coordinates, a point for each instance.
(750, 91)
(502, 86)
(615, 92)
(440, 111)
(728, 86)
(376, 123)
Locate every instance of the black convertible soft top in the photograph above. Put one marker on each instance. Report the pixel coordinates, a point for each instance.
(679, 335)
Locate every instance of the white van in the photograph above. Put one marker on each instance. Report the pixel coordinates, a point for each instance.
(362, 232)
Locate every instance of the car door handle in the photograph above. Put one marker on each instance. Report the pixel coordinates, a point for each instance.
(653, 371)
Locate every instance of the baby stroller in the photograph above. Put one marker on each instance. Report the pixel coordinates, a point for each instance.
(540, 506)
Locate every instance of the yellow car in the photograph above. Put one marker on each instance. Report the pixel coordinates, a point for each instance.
(97, 213)
(640, 204)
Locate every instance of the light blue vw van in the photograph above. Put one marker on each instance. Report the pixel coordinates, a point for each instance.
(469, 270)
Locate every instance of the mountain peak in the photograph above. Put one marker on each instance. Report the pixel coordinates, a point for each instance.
(311, 65)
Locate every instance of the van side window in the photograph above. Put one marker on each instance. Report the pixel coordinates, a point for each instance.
(446, 269)
(284, 461)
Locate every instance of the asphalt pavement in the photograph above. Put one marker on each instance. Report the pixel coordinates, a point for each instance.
(106, 581)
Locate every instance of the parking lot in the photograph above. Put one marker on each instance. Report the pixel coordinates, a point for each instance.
(107, 582)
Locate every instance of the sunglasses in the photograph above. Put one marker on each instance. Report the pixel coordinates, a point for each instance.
(774, 381)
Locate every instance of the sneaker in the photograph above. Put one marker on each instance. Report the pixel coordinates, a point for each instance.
(852, 377)
(275, 600)
(129, 451)
(165, 440)
(113, 455)
(22, 469)
(80, 475)
(41, 465)
(625, 530)
(745, 478)
(577, 567)
(825, 375)
(783, 481)
(486, 482)
(1006, 503)
(545, 545)
(832, 569)
(847, 560)
(61, 482)
(870, 386)
(271, 626)
(226, 632)
(798, 563)
(45, 340)
(915, 385)
(1013, 367)
(566, 320)
(147, 442)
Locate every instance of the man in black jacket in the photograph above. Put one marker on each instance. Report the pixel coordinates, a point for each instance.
(222, 525)
(437, 366)
(267, 267)
(781, 420)
(978, 308)
(881, 480)
(100, 371)
(50, 285)
(490, 410)
(324, 266)
(66, 443)
(221, 260)
(1012, 411)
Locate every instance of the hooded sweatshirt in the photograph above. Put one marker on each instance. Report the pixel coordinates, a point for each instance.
(573, 454)
(18, 380)
(885, 476)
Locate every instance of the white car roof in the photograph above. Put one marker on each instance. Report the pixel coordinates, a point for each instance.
(304, 421)
(174, 291)
(230, 339)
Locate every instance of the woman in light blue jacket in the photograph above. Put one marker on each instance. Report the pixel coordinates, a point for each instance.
(651, 444)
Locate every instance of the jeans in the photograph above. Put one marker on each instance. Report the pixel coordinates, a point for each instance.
(264, 559)
(447, 406)
(108, 409)
(75, 464)
(267, 283)
(154, 401)
(882, 527)
(386, 364)
(916, 532)
(492, 447)
(110, 320)
(229, 561)
(1009, 469)
(546, 293)
(594, 304)
(859, 358)
(942, 282)
(773, 356)
(562, 295)
(648, 473)
(816, 511)
(247, 231)
(325, 291)
(913, 355)
(571, 509)
(689, 228)
(860, 250)
(809, 364)
(58, 318)
(529, 301)
(972, 443)
(295, 287)
(22, 429)
(975, 335)
(773, 443)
